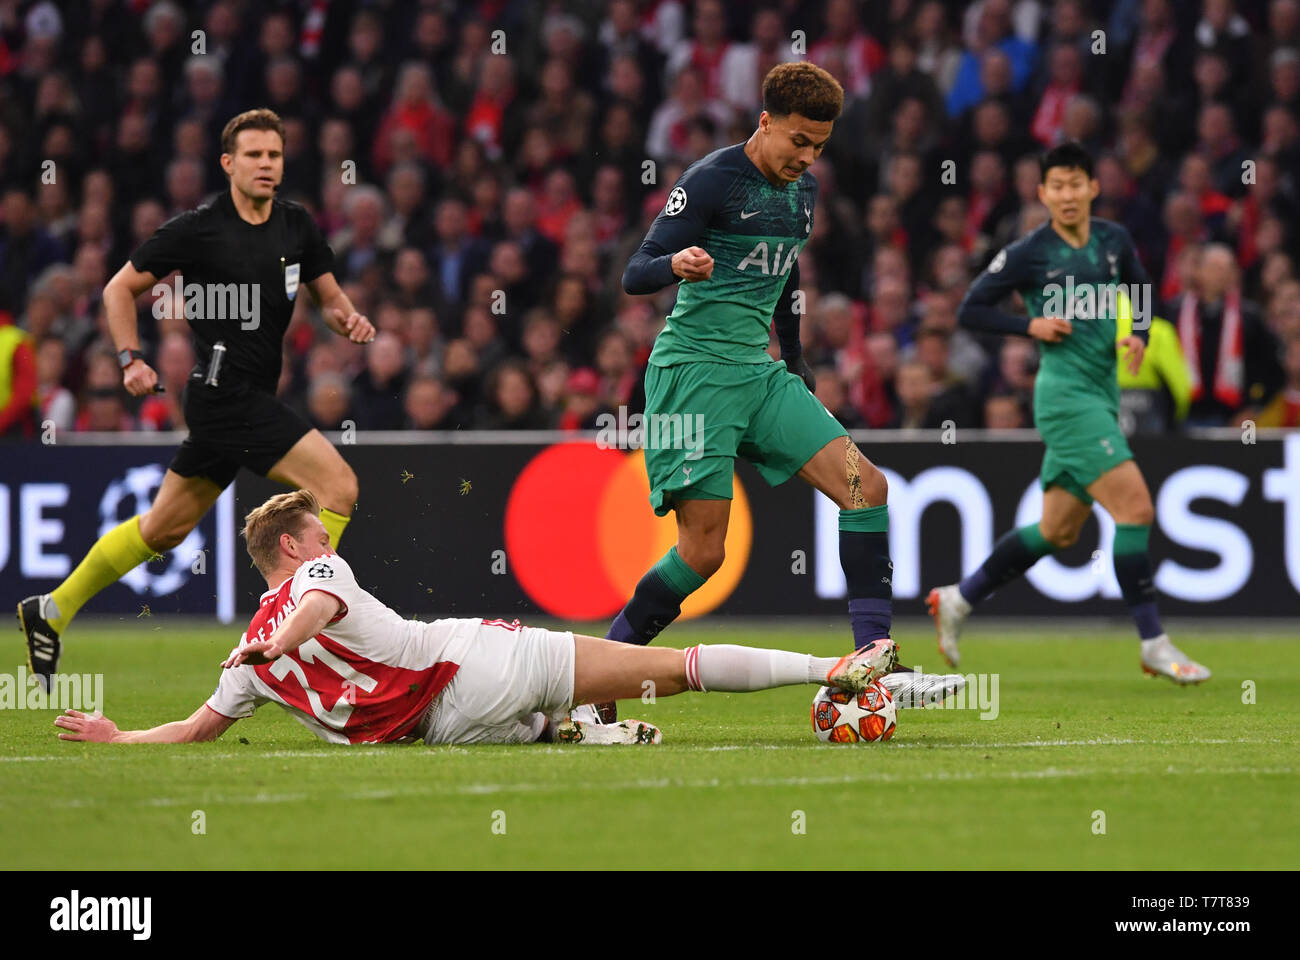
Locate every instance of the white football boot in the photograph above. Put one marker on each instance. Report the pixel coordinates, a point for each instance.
(624, 731)
(911, 689)
(950, 610)
(585, 713)
(1161, 658)
(856, 671)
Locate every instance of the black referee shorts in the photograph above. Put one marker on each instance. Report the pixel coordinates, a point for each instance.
(232, 428)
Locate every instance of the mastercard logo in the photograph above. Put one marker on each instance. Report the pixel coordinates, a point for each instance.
(580, 533)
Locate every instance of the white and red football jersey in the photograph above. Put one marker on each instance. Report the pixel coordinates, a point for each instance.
(366, 678)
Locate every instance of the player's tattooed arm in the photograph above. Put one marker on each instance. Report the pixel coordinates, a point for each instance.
(853, 470)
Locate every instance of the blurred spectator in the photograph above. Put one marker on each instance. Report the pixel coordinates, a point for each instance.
(834, 396)
(54, 402)
(26, 249)
(378, 390)
(992, 36)
(847, 44)
(329, 401)
(103, 399)
(1157, 397)
(950, 399)
(1284, 409)
(427, 404)
(1232, 358)
(728, 70)
(18, 380)
(670, 125)
(165, 411)
(1003, 411)
(415, 109)
(581, 401)
(511, 400)
(494, 117)
(620, 377)
(915, 393)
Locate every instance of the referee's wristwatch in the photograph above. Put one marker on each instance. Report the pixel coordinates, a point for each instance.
(126, 357)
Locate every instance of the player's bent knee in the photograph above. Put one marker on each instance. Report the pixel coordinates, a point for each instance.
(1143, 515)
(705, 559)
(1060, 537)
(348, 489)
(340, 493)
(162, 538)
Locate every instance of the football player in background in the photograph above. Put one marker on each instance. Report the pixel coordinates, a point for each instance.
(1076, 402)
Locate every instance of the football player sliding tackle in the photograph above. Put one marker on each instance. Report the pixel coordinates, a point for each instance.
(352, 670)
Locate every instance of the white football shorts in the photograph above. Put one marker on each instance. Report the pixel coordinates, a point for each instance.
(511, 679)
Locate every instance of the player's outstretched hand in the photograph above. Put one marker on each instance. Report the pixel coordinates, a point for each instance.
(255, 654)
(692, 264)
(1134, 349)
(91, 727)
(139, 378)
(1050, 329)
(359, 329)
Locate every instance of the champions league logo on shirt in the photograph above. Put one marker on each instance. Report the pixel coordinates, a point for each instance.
(320, 571)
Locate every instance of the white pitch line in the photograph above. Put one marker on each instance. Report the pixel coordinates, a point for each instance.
(488, 789)
(372, 751)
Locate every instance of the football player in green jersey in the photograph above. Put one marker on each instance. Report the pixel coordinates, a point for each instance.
(1073, 273)
(730, 235)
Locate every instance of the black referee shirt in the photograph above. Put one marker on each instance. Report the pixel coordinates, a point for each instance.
(212, 246)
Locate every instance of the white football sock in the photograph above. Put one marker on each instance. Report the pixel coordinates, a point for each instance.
(729, 668)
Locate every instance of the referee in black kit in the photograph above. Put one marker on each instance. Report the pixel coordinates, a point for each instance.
(247, 252)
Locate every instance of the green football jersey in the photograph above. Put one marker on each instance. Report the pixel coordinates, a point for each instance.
(754, 232)
(1085, 286)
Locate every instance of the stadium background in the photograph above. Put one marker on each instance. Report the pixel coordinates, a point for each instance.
(482, 191)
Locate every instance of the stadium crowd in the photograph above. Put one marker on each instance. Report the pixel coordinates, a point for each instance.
(482, 193)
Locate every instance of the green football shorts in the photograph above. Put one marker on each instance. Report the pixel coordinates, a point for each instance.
(1081, 446)
(700, 416)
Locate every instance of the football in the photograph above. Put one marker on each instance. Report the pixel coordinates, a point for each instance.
(839, 716)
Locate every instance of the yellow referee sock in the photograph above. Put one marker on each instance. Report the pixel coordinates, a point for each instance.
(117, 552)
(335, 524)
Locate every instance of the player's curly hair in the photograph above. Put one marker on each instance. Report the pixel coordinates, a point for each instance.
(259, 119)
(803, 88)
(283, 513)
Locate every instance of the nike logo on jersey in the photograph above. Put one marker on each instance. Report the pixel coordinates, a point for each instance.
(752, 213)
(1052, 274)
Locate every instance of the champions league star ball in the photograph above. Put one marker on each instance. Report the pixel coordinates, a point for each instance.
(839, 716)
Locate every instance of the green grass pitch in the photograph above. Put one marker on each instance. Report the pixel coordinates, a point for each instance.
(1185, 777)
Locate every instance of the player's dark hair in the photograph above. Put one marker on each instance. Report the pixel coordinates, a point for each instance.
(259, 119)
(1071, 155)
(803, 88)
